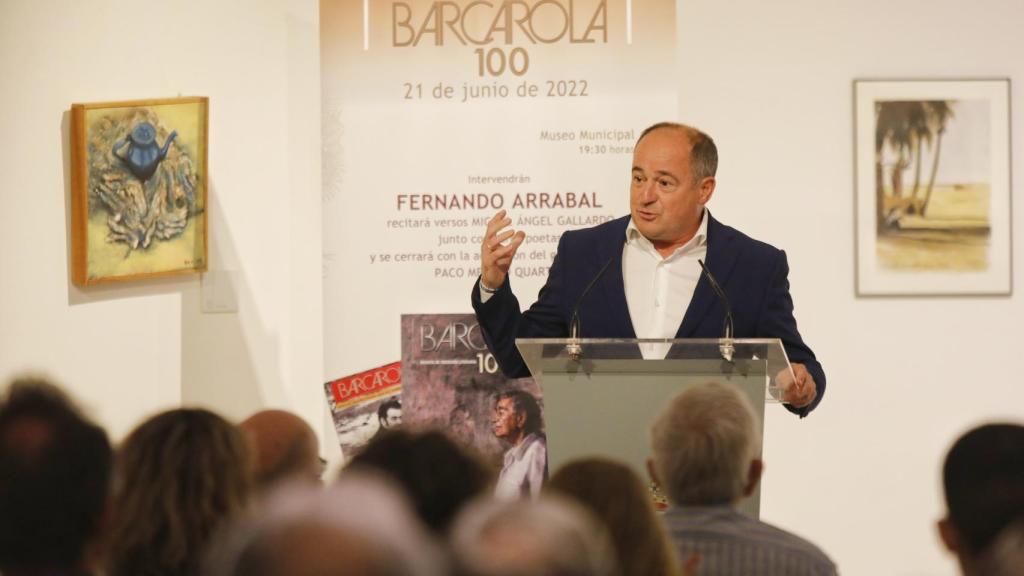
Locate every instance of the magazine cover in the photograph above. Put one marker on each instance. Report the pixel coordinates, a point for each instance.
(364, 404)
(451, 381)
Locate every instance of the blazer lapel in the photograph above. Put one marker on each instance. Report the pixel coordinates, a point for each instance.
(613, 285)
(721, 260)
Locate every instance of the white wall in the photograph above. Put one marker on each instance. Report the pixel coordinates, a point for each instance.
(772, 83)
(128, 350)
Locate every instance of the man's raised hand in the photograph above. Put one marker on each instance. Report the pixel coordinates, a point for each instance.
(497, 250)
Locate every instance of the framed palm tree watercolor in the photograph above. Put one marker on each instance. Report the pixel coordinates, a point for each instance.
(932, 187)
(138, 189)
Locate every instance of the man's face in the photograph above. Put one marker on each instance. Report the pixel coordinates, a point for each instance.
(505, 421)
(392, 417)
(665, 202)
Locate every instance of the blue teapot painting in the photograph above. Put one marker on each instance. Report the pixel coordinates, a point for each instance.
(143, 154)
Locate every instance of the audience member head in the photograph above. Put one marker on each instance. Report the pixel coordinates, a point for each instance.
(618, 497)
(389, 414)
(705, 446)
(359, 526)
(548, 536)
(178, 478)
(516, 416)
(1005, 556)
(983, 478)
(283, 446)
(438, 475)
(54, 479)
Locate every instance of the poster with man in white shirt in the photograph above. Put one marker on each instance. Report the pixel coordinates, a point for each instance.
(516, 421)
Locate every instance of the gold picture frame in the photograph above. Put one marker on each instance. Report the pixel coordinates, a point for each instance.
(139, 189)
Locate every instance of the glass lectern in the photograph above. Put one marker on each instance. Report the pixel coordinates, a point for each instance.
(601, 395)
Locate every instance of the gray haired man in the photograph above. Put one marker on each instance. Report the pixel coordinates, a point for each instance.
(705, 456)
(516, 421)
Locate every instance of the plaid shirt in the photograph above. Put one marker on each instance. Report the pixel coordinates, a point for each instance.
(730, 543)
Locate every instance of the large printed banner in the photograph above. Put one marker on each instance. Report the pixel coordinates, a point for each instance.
(437, 114)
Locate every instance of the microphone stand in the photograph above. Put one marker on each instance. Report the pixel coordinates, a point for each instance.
(573, 348)
(725, 344)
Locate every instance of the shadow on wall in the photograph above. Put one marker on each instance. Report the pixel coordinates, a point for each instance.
(229, 361)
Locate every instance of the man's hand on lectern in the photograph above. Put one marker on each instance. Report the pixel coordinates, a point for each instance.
(802, 391)
(497, 250)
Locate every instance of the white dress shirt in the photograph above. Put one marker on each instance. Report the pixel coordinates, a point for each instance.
(525, 469)
(659, 289)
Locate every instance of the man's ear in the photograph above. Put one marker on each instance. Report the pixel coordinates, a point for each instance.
(706, 189)
(521, 419)
(948, 534)
(753, 476)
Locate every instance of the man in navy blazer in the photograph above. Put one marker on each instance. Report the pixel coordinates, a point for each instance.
(673, 178)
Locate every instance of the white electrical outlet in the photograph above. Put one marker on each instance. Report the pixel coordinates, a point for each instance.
(218, 292)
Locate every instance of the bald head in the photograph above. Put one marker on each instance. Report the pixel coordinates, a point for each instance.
(550, 536)
(284, 447)
(309, 548)
(359, 526)
(703, 151)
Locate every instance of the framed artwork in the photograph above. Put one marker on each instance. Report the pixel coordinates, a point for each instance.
(138, 189)
(932, 170)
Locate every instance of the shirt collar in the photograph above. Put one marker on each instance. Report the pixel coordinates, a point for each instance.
(699, 239)
(519, 450)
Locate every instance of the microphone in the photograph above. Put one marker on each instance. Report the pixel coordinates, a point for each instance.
(573, 348)
(725, 346)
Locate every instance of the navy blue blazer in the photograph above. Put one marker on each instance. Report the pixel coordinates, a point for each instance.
(753, 274)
